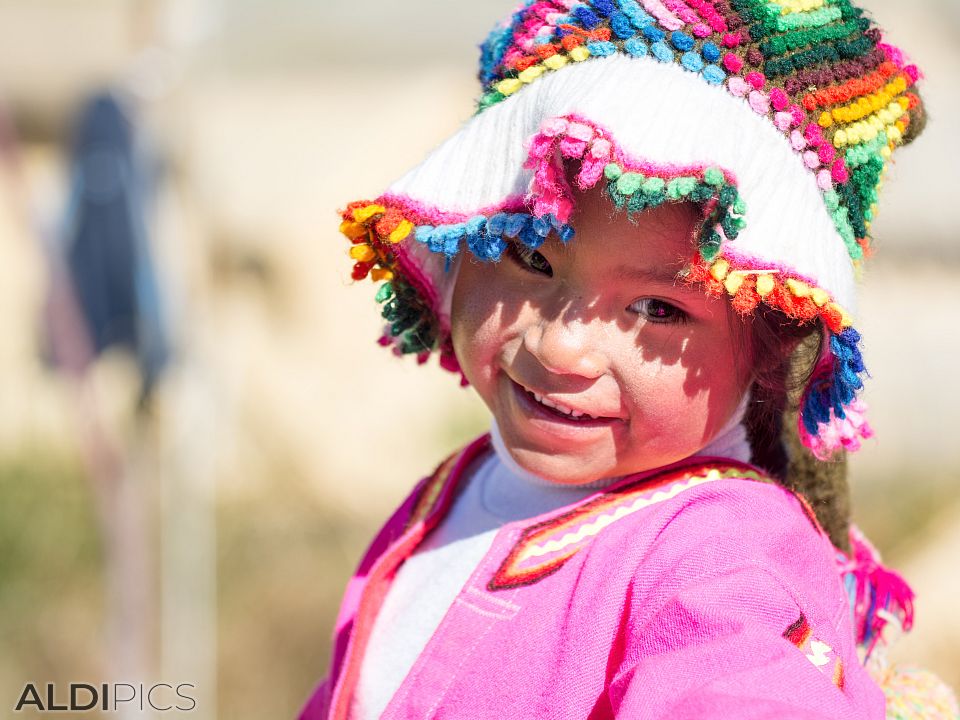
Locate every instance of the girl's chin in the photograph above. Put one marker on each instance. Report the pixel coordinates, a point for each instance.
(558, 468)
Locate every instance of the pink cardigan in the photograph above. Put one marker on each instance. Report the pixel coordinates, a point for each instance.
(699, 590)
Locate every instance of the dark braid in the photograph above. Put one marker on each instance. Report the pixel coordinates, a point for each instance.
(784, 357)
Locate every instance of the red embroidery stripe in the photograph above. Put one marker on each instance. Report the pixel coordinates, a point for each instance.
(799, 632)
(838, 678)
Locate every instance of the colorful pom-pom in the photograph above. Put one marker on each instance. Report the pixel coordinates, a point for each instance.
(916, 694)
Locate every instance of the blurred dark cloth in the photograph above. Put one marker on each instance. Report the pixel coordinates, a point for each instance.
(106, 239)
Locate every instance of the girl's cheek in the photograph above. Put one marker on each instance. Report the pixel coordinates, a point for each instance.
(478, 338)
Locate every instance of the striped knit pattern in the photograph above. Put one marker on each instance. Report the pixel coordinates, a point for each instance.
(817, 69)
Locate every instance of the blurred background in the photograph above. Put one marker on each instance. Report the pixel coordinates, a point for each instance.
(186, 483)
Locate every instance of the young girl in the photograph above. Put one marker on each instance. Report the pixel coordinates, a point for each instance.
(641, 254)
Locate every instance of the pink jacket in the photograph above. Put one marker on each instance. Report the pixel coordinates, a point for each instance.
(699, 590)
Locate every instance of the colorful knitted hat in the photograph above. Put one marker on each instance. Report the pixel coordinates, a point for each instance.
(777, 116)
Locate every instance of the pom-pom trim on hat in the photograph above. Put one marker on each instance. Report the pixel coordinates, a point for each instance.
(816, 70)
(831, 413)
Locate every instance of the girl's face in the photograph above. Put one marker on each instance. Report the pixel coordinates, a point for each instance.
(594, 358)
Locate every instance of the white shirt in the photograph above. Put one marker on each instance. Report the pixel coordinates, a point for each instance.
(427, 583)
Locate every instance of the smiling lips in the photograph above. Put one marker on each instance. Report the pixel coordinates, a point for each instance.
(563, 409)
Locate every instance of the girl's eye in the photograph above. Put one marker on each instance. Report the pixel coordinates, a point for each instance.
(528, 259)
(659, 311)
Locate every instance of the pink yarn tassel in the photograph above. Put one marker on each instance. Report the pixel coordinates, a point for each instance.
(550, 193)
(877, 588)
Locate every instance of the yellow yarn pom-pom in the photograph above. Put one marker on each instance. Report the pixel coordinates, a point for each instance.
(509, 86)
(719, 269)
(798, 288)
(362, 253)
(819, 296)
(555, 62)
(365, 213)
(733, 282)
(531, 74)
(400, 231)
(764, 285)
(352, 229)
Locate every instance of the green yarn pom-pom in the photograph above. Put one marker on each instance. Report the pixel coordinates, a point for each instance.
(713, 176)
(612, 171)
(654, 186)
(710, 245)
(384, 293)
(629, 183)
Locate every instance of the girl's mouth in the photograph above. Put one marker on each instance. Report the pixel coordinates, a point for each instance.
(543, 409)
(560, 409)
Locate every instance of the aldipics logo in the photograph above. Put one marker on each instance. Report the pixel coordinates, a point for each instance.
(110, 697)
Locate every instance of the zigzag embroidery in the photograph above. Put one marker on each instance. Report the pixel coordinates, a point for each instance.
(605, 520)
(556, 540)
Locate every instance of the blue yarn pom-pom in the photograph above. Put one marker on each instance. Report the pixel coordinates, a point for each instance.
(621, 26)
(497, 224)
(476, 225)
(662, 52)
(450, 237)
(486, 247)
(838, 389)
(587, 17)
(604, 7)
(531, 238)
(423, 233)
(692, 61)
(542, 225)
(681, 41)
(653, 33)
(713, 74)
(711, 53)
(601, 48)
(435, 243)
(515, 224)
(636, 47)
(638, 16)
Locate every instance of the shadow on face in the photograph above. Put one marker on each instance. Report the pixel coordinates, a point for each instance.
(608, 321)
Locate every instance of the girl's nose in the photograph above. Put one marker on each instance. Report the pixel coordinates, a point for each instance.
(566, 348)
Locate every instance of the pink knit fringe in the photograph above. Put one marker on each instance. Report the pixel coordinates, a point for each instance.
(839, 433)
(876, 589)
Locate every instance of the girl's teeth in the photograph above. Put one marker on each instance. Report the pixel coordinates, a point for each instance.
(562, 408)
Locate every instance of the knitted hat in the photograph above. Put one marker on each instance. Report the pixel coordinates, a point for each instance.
(778, 117)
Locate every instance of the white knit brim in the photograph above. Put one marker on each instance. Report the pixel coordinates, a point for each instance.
(656, 113)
